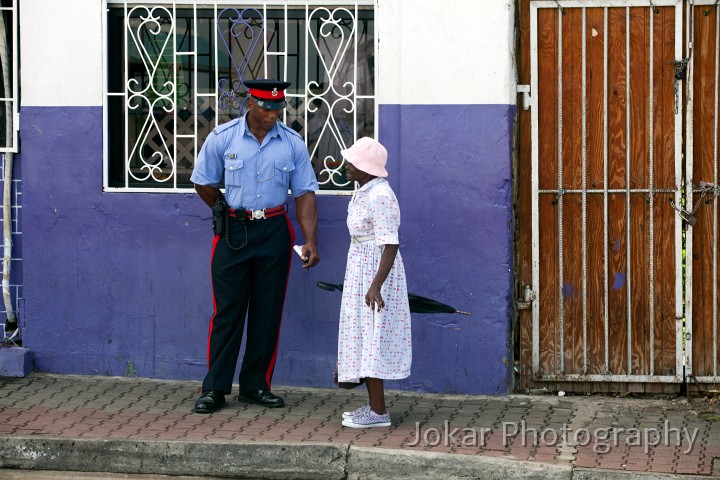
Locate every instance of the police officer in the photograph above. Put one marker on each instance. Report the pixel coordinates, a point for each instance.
(260, 160)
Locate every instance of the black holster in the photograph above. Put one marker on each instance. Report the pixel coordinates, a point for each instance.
(218, 216)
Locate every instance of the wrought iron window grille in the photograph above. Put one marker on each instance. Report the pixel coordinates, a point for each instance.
(174, 72)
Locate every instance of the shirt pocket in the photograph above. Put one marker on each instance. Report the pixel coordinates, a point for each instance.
(283, 170)
(234, 172)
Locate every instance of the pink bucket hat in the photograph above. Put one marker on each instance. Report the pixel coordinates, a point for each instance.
(368, 155)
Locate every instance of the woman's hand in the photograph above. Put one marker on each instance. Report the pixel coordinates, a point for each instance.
(374, 299)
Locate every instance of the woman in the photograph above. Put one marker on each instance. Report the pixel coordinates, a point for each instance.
(374, 339)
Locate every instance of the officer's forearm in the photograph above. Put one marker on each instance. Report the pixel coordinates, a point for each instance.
(208, 193)
(306, 209)
(308, 218)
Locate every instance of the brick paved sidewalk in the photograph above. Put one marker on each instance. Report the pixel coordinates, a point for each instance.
(608, 433)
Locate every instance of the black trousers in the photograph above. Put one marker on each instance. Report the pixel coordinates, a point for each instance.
(249, 282)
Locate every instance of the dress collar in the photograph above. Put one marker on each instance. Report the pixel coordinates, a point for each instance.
(370, 184)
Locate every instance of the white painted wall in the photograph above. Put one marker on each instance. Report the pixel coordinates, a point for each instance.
(61, 52)
(431, 52)
(446, 52)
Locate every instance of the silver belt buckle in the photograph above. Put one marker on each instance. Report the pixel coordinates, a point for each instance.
(257, 215)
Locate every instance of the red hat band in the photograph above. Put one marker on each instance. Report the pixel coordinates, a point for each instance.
(273, 94)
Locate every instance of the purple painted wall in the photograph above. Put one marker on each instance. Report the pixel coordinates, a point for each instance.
(453, 178)
(118, 283)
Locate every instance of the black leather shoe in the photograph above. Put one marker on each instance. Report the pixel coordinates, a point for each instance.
(210, 401)
(262, 397)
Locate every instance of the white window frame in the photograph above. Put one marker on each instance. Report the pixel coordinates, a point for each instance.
(262, 5)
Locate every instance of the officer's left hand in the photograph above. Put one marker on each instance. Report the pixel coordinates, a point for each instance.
(310, 256)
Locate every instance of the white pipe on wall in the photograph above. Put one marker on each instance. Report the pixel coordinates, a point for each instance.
(11, 322)
(7, 243)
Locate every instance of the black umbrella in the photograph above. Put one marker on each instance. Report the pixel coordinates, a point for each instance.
(418, 304)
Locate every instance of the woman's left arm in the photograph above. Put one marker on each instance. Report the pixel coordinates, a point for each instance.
(373, 298)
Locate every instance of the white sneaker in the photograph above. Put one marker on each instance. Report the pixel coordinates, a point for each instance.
(368, 420)
(358, 411)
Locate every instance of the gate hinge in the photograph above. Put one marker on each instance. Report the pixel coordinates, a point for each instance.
(525, 90)
(681, 68)
(528, 295)
(714, 5)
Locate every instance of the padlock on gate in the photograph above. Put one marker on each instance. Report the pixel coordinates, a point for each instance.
(684, 214)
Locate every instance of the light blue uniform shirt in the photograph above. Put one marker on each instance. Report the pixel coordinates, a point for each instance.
(256, 176)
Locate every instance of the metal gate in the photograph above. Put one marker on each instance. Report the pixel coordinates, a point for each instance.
(701, 316)
(606, 105)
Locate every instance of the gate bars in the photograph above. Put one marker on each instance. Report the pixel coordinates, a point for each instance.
(700, 372)
(560, 192)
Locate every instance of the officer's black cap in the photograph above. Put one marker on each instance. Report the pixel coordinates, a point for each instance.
(268, 94)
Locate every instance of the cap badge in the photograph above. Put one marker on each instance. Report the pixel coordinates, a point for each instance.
(274, 92)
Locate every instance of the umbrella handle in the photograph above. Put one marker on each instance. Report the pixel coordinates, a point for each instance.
(461, 312)
(329, 286)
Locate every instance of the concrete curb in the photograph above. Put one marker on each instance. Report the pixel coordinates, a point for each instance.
(376, 463)
(596, 474)
(280, 461)
(277, 461)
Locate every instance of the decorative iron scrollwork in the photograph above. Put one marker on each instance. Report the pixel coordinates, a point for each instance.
(151, 37)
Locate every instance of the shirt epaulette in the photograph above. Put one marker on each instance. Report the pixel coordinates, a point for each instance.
(282, 125)
(221, 128)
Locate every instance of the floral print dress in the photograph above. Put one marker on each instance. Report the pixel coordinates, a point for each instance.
(373, 344)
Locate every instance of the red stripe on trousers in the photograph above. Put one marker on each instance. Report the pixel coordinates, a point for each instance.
(212, 319)
(271, 367)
